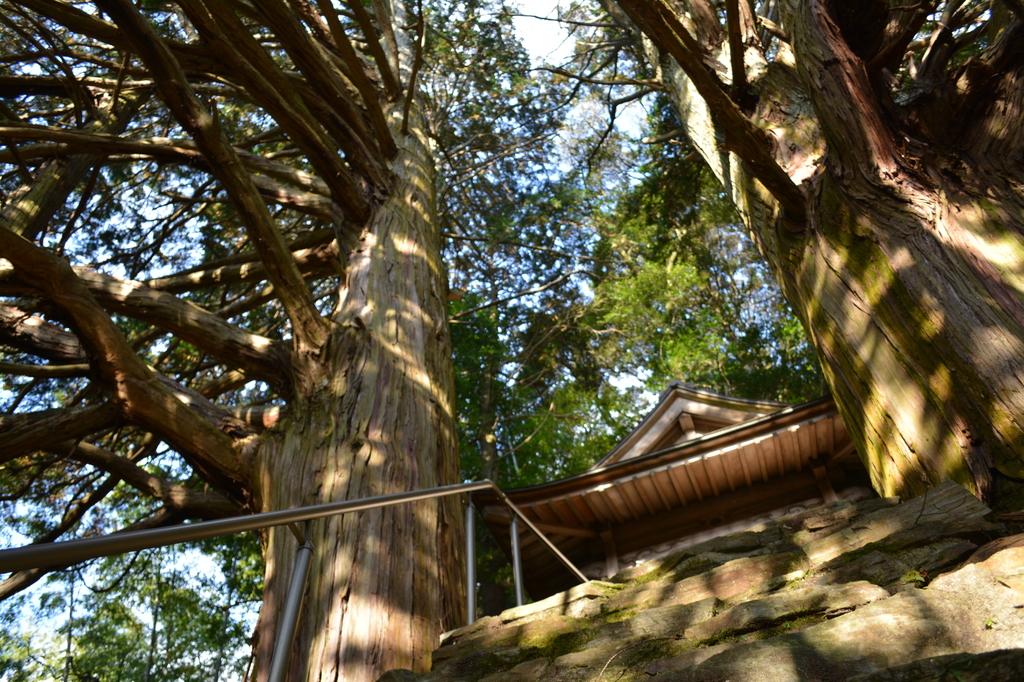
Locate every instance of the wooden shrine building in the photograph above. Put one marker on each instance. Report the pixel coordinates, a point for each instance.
(699, 465)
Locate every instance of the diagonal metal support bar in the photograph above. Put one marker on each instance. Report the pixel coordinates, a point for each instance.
(536, 531)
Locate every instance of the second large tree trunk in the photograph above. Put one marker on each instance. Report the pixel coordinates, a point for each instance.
(907, 265)
(919, 325)
(378, 420)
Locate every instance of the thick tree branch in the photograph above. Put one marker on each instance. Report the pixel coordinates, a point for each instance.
(356, 73)
(259, 417)
(192, 57)
(260, 356)
(848, 108)
(353, 134)
(308, 240)
(417, 63)
(1017, 7)
(387, 74)
(736, 48)
(255, 354)
(288, 100)
(137, 392)
(742, 137)
(308, 327)
(900, 29)
(21, 434)
(32, 334)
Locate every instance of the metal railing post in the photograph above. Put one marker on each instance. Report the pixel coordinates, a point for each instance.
(517, 563)
(290, 613)
(470, 563)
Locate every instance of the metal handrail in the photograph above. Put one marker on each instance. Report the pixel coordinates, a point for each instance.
(59, 554)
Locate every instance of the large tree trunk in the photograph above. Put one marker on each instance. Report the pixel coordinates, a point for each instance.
(376, 419)
(904, 259)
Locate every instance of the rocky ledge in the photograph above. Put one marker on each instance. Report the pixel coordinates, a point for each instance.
(931, 589)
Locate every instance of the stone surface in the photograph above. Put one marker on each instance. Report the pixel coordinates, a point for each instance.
(783, 605)
(946, 503)
(966, 611)
(1007, 664)
(987, 550)
(728, 580)
(922, 590)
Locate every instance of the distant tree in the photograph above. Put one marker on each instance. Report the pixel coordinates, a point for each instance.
(685, 295)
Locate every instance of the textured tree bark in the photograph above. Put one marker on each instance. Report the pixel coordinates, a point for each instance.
(907, 268)
(377, 419)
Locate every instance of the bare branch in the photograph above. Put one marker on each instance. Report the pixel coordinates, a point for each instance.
(653, 85)
(207, 506)
(519, 294)
(315, 201)
(318, 259)
(201, 504)
(20, 580)
(44, 371)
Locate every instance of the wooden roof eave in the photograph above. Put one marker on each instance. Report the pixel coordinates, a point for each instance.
(703, 444)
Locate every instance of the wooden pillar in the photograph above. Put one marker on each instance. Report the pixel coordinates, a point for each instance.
(611, 554)
(828, 493)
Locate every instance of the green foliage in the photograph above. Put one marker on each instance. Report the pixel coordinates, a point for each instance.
(686, 296)
(159, 615)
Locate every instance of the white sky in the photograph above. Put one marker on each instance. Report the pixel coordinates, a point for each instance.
(548, 42)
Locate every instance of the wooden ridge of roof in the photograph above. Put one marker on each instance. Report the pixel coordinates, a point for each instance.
(714, 410)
